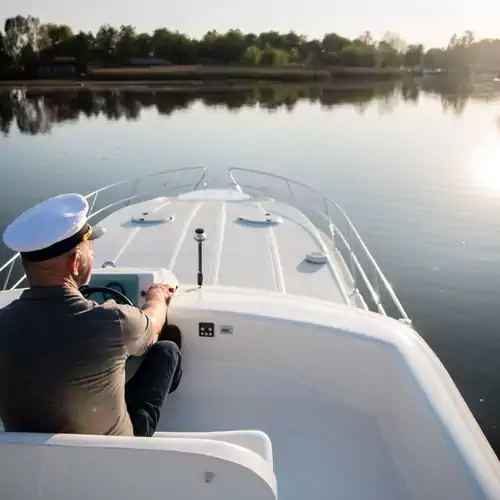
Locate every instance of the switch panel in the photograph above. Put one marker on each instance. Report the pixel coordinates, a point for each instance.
(206, 330)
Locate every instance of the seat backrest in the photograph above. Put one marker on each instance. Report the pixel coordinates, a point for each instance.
(78, 467)
(256, 441)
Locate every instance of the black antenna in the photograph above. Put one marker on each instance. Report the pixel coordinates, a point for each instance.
(200, 238)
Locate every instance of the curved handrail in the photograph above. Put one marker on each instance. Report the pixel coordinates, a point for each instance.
(92, 198)
(372, 286)
(352, 232)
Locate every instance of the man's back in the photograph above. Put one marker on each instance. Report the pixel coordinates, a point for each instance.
(62, 363)
(62, 357)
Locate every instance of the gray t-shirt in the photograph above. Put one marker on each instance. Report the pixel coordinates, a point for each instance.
(62, 362)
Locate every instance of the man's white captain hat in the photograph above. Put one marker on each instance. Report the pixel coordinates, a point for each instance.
(51, 228)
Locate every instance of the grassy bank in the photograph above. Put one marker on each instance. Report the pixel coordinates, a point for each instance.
(220, 76)
(236, 73)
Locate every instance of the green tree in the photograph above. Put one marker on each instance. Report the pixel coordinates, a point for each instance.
(56, 33)
(81, 46)
(467, 43)
(414, 56)
(267, 55)
(4, 58)
(394, 41)
(184, 50)
(366, 37)
(467, 39)
(486, 54)
(105, 42)
(227, 47)
(250, 39)
(292, 41)
(25, 38)
(331, 59)
(294, 55)
(22, 36)
(173, 46)
(230, 46)
(333, 43)
(125, 44)
(281, 57)
(273, 57)
(160, 41)
(143, 45)
(271, 38)
(206, 46)
(388, 56)
(311, 53)
(434, 59)
(252, 55)
(460, 52)
(331, 46)
(358, 53)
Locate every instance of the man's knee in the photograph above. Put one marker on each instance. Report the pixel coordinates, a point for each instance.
(166, 350)
(166, 357)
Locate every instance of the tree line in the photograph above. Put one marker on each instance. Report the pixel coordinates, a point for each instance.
(25, 40)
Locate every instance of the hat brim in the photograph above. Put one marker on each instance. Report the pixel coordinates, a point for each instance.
(97, 232)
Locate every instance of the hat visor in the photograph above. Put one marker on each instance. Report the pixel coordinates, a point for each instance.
(97, 232)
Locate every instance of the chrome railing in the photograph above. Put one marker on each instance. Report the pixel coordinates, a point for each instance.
(9, 272)
(347, 243)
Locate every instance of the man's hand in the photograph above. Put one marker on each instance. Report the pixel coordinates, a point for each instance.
(159, 292)
(158, 299)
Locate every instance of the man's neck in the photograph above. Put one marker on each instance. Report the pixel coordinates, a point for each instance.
(53, 283)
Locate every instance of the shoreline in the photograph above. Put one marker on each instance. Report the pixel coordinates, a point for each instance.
(181, 85)
(283, 74)
(216, 76)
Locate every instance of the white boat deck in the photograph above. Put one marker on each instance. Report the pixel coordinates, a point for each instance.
(322, 447)
(351, 401)
(236, 252)
(354, 404)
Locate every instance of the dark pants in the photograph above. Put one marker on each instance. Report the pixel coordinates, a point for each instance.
(158, 375)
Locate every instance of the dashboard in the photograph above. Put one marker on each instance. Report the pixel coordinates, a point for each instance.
(133, 282)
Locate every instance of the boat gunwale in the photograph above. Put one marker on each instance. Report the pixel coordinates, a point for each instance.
(373, 289)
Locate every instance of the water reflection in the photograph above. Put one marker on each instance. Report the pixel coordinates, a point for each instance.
(34, 111)
(487, 165)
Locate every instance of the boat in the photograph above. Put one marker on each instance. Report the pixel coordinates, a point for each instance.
(304, 376)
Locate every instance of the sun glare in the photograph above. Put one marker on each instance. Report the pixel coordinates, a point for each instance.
(486, 167)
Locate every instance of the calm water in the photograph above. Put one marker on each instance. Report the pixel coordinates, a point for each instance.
(417, 168)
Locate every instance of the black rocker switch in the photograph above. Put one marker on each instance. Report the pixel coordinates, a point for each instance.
(206, 330)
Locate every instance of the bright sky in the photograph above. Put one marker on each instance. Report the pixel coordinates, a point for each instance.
(431, 22)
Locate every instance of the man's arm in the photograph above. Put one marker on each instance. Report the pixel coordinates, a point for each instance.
(156, 307)
(140, 327)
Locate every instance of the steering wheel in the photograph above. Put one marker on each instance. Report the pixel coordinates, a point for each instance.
(87, 291)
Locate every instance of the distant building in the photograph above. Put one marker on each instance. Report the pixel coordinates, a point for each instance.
(147, 62)
(58, 67)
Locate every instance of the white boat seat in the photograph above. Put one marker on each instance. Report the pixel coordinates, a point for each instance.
(82, 467)
(256, 441)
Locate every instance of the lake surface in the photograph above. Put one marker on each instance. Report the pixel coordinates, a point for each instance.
(417, 167)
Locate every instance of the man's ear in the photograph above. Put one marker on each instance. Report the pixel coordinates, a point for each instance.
(75, 263)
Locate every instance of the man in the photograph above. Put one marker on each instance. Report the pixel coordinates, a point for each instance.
(62, 357)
